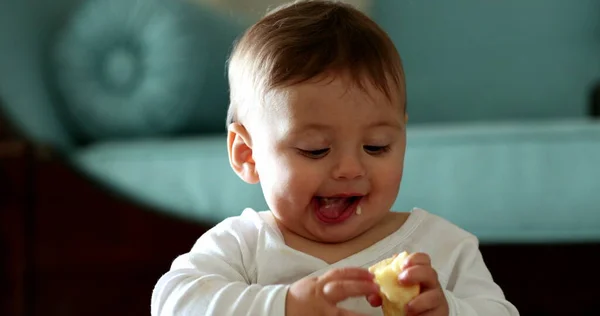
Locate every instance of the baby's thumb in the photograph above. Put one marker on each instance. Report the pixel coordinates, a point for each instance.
(345, 312)
(375, 300)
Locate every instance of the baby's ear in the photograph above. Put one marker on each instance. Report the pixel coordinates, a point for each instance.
(239, 147)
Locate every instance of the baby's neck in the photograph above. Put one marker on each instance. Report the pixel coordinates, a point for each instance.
(332, 253)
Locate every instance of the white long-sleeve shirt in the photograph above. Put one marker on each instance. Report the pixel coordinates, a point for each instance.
(242, 266)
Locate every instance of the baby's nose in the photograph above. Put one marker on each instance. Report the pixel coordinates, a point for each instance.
(349, 167)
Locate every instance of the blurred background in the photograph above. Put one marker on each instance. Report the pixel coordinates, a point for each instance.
(113, 157)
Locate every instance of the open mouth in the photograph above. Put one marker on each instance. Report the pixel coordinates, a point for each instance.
(334, 210)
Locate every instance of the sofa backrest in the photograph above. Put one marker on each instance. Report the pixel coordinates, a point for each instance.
(476, 60)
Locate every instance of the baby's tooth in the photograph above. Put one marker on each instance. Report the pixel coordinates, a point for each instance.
(329, 202)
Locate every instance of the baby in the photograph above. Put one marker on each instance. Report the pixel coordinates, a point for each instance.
(318, 119)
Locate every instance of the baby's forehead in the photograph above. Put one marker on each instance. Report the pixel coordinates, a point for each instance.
(322, 104)
(330, 90)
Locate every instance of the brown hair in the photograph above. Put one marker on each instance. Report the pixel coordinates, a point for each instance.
(299, 41)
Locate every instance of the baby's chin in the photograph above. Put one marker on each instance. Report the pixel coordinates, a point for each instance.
(334, 235)
(336, 239)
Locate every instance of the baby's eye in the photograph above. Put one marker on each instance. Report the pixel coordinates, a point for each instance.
(376, 150)
(315, 154)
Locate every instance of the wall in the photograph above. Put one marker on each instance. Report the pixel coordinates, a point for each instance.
(254, 9)
(473, 60)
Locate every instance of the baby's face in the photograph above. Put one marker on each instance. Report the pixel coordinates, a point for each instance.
(325, 149)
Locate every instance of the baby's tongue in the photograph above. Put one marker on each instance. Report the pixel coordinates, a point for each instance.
(333, 207)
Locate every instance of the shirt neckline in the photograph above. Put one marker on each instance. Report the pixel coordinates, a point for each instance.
(365, 257)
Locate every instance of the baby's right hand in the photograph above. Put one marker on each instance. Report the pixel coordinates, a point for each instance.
(319, 295)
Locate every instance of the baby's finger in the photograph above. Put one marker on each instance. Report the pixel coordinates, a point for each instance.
(375, 300)
(425, 276)
(417, 258)
(424, 302)
(344, 312)
(347, 273)
(337, 291)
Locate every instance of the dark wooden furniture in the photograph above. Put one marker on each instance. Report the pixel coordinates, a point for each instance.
(548, 279)
(68, 247)
(13, 190)
(595, 102)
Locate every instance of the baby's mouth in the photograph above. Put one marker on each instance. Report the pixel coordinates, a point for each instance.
(336, 209)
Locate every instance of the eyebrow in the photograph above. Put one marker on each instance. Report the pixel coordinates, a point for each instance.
(324, 127)
(400, 125)
(302, 129)
(311, 126)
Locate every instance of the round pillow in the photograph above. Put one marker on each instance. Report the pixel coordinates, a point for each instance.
(131, 68)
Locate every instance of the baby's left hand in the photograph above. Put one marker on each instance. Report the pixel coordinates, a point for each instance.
(431, 301)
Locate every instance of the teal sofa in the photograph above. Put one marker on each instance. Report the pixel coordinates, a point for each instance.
(499, 137)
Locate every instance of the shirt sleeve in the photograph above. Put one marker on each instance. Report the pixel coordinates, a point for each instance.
(213, 279)
(472, 291)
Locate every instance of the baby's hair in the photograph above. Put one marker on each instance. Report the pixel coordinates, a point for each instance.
(300, 41)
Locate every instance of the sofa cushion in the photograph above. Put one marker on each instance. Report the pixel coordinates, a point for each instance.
(511, 182)
(186, 177)
(130, 68)
(508, 182)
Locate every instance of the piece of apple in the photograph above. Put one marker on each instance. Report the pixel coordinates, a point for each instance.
(394, 296)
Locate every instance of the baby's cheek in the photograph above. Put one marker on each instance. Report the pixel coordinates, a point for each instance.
(396, 177)
(302, 180)
(294, 183)
(391, 175)
(278, 167)
(388, 183)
